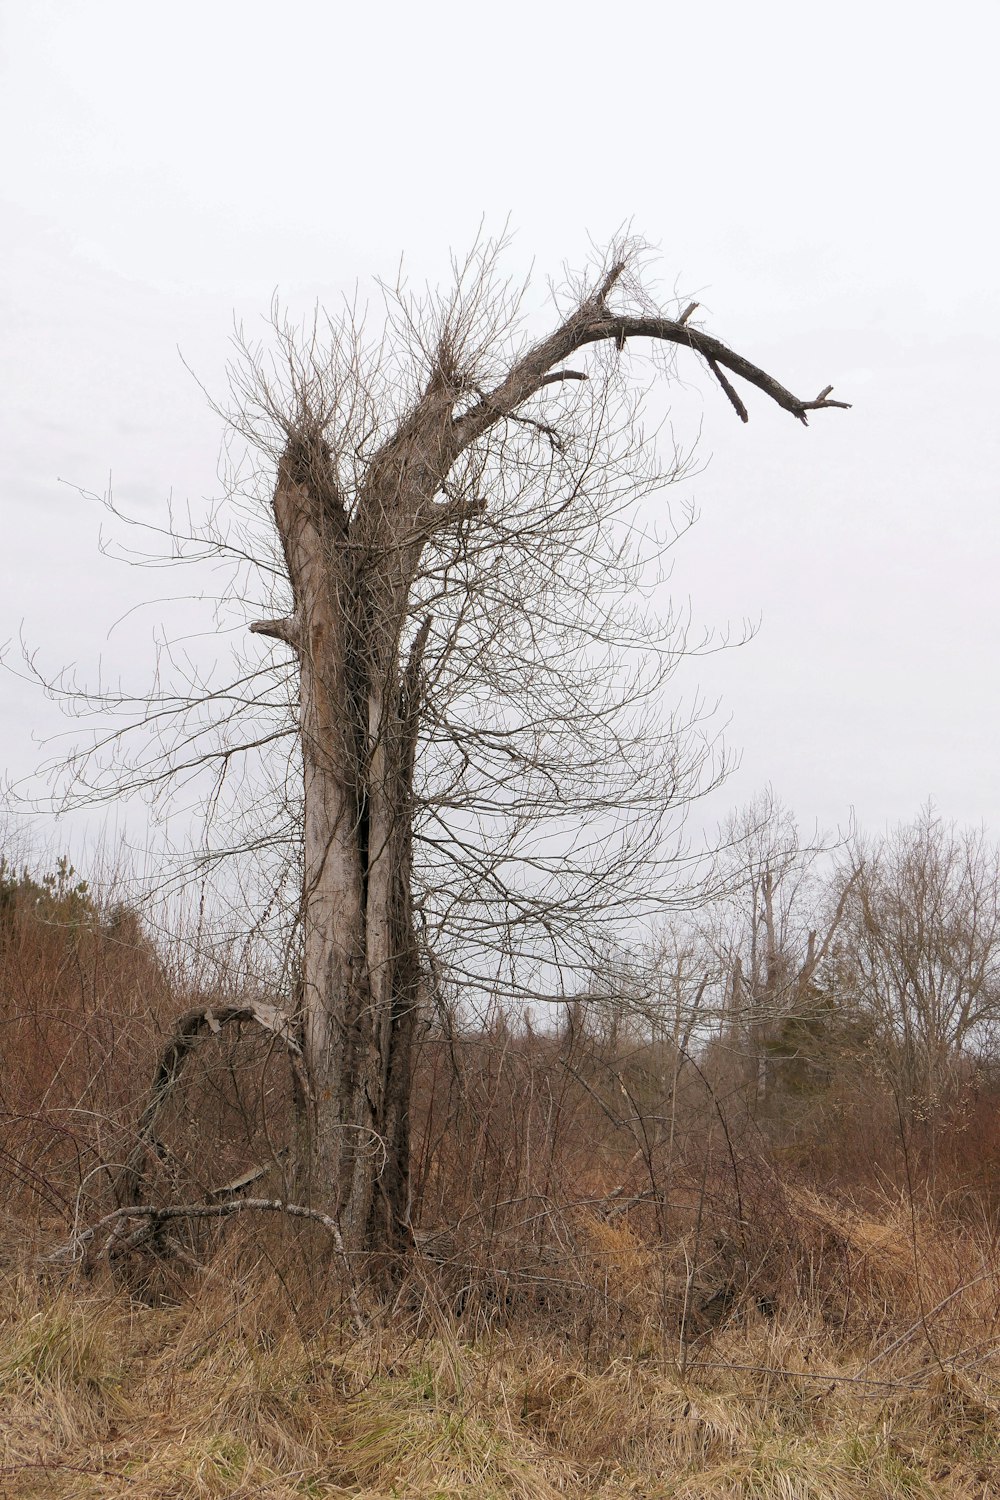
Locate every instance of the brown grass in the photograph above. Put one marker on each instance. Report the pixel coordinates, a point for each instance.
(246, 1385)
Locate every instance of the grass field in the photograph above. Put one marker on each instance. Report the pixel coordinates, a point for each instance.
(241, 1383)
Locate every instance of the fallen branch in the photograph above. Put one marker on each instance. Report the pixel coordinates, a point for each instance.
(151, 1218)
(248, 1178)
(189, 1030)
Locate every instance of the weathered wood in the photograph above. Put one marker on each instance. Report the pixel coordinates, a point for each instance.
(148, 1219)
(189, 1030)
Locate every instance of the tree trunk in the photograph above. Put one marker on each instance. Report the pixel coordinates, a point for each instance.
(358, 715)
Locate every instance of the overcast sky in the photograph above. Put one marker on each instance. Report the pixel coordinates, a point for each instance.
(821, 178)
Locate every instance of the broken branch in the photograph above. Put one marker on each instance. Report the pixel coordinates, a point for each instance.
(150, 1218)
(559, 375)
(188, 1031)
(729, 389)
(286, 630)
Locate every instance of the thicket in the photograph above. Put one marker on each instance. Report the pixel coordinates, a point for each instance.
(824, 1023)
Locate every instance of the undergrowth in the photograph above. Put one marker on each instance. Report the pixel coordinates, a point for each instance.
(244, 1385)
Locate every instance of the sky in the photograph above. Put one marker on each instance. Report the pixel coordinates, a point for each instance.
(821, 179)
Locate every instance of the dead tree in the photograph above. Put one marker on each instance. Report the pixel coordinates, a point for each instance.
(479, 728)
(356, 527)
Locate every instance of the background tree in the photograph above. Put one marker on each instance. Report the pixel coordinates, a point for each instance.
(924, 943)
(768, 936)
(459, 617)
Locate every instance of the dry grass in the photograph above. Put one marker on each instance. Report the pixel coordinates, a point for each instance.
(247, 1387)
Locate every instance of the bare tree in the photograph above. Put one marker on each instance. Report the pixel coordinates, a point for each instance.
(925, 949)
(459, 621)
(771, 932)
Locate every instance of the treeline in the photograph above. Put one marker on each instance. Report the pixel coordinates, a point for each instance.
(811, 966)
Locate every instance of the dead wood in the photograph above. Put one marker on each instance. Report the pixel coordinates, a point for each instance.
(189, 1030)
(131, 1227)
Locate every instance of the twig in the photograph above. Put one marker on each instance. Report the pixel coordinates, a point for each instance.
(895, 1385)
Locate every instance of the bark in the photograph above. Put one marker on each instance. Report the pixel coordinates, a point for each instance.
(358, 722)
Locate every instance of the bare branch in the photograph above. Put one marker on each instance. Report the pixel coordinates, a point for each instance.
(560, 375)
(150, 1218)
(593, 323)
(614, 274)
(729, 389)
(189, 1030)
